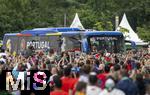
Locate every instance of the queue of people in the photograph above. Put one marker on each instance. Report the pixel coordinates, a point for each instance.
(97, 73)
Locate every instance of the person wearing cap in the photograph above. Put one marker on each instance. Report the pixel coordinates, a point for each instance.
(110, 88)
(92, 88)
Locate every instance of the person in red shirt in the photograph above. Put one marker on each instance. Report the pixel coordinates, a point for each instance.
(57, 87)
(68, 83)
(103, 76)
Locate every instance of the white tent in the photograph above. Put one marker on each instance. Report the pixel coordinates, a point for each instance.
(77, 23)
(130, 35)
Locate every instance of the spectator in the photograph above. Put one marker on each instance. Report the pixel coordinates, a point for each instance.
(28, 52)
(64, 59)
(58, 86)
(125, 69)
(103, 75)
(116, 72)
(54, 72)
(92, 88)
(51, 56)
(110, 89)
(126, 84)
(81, 88)
(68, 83)
(85, 73)
(140, 84)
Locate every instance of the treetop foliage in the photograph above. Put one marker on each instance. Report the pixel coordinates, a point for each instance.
(18, 15)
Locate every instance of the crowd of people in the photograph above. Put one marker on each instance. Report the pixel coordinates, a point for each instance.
(96, 73)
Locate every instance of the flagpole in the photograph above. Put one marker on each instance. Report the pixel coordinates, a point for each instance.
(116, 22)
(65, 19)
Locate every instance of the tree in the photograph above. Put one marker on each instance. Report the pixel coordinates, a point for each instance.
(18, 15)
(144, 33)
(103, 26)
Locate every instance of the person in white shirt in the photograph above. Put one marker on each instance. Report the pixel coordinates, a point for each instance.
(92, 88)
(84, 77)
(110, 89)
(54, 72)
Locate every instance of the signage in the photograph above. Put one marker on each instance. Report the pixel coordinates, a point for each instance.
(39, 44)
(103, 38)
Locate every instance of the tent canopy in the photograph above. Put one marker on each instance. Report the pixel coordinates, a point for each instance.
(77, 23)
(130, 35)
